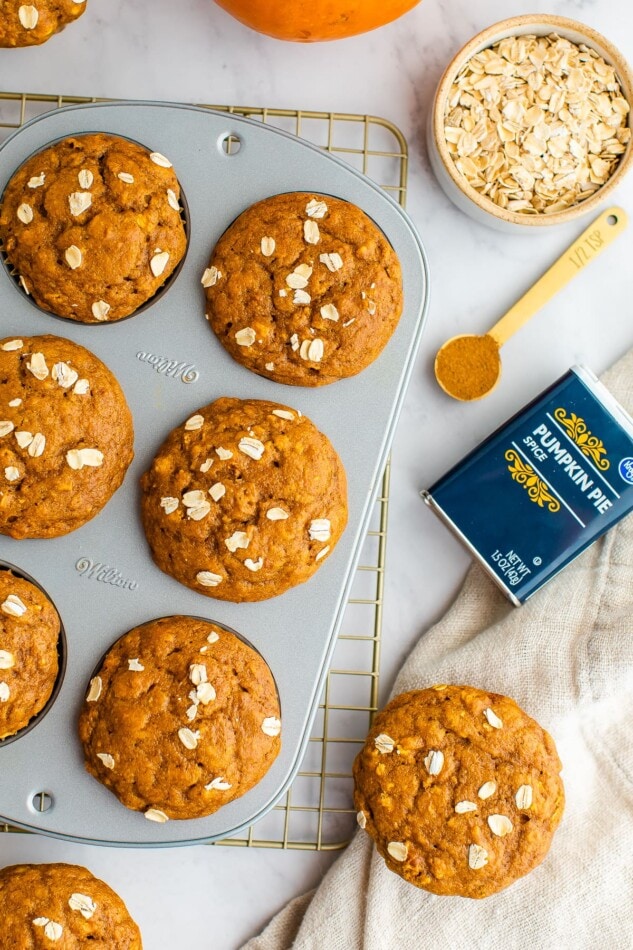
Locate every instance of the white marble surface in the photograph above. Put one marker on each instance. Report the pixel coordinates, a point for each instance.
(189, 50)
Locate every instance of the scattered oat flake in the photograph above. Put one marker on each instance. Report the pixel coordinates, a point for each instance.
(84, 904)
(283, 292)
(206, 465)
(5, 692)
(477, 857)
(206, 693)
(94, 691)
(271, 726)
(13, 345)
(218, 784)
(159, 159)
(78, 458)
(13, 606)
(24, 286)
(301, 298)
(11, 473)
(7, 660)
(384, 743)
(371, 308)
(14, 403)
(210, 277)
(6, 427)
(245, 337)
(332, 261)
(23, 438)
(251, 447)
(267, 246)
(223, 454)
(191, 499)
(217, 491)
(523, 797)
(37, 366)
(294, 342)
(493, 719)
(100, 310)
(172, 200)
(213, 637)
(322, 553)
(198, 673)
(169, 504)
(159, 262)
(126, 178)
(37, 181)
(487, 789)
(64, 375)
(315, 351)
(85, 178)
(82, 387)
(311, 232)
(194, 422)
(155, 814)
(276, 514)
(198, 512)
(270, 367)
(316, 208)
(37, 446)
(465, 806)
(208, 578)
(239, 539)
(397, 850)
(500, 825)
(320, 529)
(52, 930)
(298, 279)
(79, 201)
(188, 737)
(107, 759)
(25, 213)
(254, 566)
(284, 414)
(191, 712)
(361, 819)
(329, 312)
(135, 666)
(434, 762)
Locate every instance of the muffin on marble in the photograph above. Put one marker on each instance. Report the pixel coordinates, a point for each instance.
(29, 662)
(460, 790)
(244, 500)
(64, 905)
(304, 289)
(66, 436)
(29, 24)
(93, 227)
(182, 718)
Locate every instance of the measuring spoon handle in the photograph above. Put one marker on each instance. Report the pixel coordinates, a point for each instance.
(600, 233)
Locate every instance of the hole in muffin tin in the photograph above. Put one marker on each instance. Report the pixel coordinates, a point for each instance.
(41, 802)
(62, 654)
(184, 216)
(229, 143)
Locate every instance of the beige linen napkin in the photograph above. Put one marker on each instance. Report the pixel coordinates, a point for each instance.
(567, 658)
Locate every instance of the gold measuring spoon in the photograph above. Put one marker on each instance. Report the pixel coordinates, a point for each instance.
(468, 367)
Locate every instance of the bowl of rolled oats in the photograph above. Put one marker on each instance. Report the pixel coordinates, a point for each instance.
(531, 123)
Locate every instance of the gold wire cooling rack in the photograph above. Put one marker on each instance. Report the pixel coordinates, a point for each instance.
(316, 813)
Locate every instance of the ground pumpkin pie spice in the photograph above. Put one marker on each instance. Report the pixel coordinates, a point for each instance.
(62, 905)
(93, 226)
(459, 789)
(304, 289)
(66, 436)
(29, 24)
(244, 500)
(182, 718)
(29, 664)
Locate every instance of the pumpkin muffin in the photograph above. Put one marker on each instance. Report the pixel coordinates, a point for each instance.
(66, 436)
(459, 789)
(92, 225)
(244, 500)
(304, 289)
(45, 903)
(29, 636)
(29, 24)
(182, 718)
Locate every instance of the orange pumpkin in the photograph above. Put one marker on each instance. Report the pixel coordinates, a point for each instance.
(310, 21)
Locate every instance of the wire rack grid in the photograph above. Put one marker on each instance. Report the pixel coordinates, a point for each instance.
(316, 813)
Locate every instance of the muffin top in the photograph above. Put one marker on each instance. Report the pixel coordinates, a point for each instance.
(29, 24)
(29, 635)
(244, 500)
(459, 788)
(303, 289)
(92, 226)
(46, 903)
(66, 436)
(182, 718)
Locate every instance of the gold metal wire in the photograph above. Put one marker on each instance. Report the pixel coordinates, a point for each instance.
(316, 813)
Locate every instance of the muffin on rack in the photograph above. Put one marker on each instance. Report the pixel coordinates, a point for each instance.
(45, 903)
(29, 663)
(304, 289)
(460, 790)
(244, 500)
(66, 436)
(182, 718)
(29, 24)
(92, 227)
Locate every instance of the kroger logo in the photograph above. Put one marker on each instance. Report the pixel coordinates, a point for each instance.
(625, 468)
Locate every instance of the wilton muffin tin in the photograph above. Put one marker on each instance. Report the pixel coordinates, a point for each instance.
(101, 577)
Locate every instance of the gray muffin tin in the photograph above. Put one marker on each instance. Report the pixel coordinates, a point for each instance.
(295, 632)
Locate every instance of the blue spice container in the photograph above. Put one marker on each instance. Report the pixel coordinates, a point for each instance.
(544, 486)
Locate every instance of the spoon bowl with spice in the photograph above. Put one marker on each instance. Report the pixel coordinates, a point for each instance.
(468, 366)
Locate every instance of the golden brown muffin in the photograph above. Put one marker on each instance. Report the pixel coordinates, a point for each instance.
(304, 289)
(29, 24)
(29, 635)
(244, 500)
(459, 789)
(66, 436)
(63, 905)
(182, 718)
(93, 226)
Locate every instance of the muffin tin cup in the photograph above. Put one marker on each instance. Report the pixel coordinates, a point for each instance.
(169, 363)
